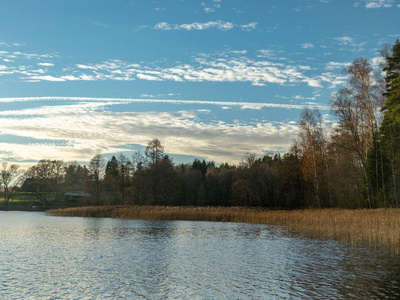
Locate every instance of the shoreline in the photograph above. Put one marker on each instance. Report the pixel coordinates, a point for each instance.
(17, 208)
(376, 228)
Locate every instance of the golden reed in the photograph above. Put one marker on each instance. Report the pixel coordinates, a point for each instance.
(374, 228)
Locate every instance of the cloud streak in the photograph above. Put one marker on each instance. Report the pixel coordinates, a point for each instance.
(220, 25)
(113, 101)
(86, 126)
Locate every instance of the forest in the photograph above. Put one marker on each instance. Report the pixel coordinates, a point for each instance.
(353, 164)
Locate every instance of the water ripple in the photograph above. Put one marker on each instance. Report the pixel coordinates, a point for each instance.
(81, 258)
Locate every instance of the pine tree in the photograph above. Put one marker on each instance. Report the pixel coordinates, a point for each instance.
(390, 128)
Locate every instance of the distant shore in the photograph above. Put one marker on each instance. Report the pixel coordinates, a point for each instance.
(373, 228)
(23, 208)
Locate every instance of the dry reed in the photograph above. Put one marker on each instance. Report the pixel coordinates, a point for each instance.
(374, 228)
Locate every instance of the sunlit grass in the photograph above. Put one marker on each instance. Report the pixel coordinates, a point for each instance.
(374, 228)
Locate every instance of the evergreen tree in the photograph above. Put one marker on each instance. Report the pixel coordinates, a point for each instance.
(390, 128)
(112, 166)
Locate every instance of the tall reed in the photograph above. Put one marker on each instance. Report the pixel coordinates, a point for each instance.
(375, 228)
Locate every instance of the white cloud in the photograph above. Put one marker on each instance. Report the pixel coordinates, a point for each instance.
(377, 61)
(211, 6)
(46, 64)
(224, 66)
(372, 5)
(249, 26)
(369, 4)
(46, 78)
(298, 97)
(349, 44)
(86, 67)
(336, 65)
(221, 25)
(333, 79)
(163, 26)
(96, 129)
(344, 40)
(148, 77)
(314, 83)
(307, 46)
(100, 102)
(209, 9)
(10, 45)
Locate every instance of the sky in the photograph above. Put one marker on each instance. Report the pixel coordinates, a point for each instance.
(211, 79)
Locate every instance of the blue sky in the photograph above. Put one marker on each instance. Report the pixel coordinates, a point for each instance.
(212, 79)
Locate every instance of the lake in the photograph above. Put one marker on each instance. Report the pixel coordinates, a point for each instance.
(43, 257)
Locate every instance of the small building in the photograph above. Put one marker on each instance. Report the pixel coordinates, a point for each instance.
(76, 197)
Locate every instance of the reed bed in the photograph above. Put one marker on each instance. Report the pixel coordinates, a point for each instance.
(374, 228)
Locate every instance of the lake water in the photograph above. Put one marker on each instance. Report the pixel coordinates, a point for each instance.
(44, 257)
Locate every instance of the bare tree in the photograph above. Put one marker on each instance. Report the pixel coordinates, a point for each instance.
(10, 178)
(313, 143)
(356, 106)
(46, 180)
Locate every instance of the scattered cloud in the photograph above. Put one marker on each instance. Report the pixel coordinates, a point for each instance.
(259, 68)
(46, 64)
(349, 44)
(370, 4)
(159, 95)
(46, 78)
(377, 61)
(249, 27)
(296, 97)
(220, 25)
(10, 45)
(148, 77)
(379, 4)
(333, 79)
(344, 40)
(307, 46)
(211, 7)
(336, 65)
(99, 130)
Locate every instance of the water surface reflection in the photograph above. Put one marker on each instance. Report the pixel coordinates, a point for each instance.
(82, 258)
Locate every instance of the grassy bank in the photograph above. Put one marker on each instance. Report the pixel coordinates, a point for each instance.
(375, 228)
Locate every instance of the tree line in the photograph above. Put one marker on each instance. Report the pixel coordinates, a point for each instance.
(353, 164)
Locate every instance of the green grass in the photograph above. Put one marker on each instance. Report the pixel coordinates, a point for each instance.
(27, 201)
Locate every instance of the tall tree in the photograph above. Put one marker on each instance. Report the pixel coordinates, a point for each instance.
(356, 106)
(126, 169)
(96, 170)
(154, 154)
(75, 177)
(9, 178)
(292, 180)
(314, 164)
(390, 128)
(46, 180)
(111, 181)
